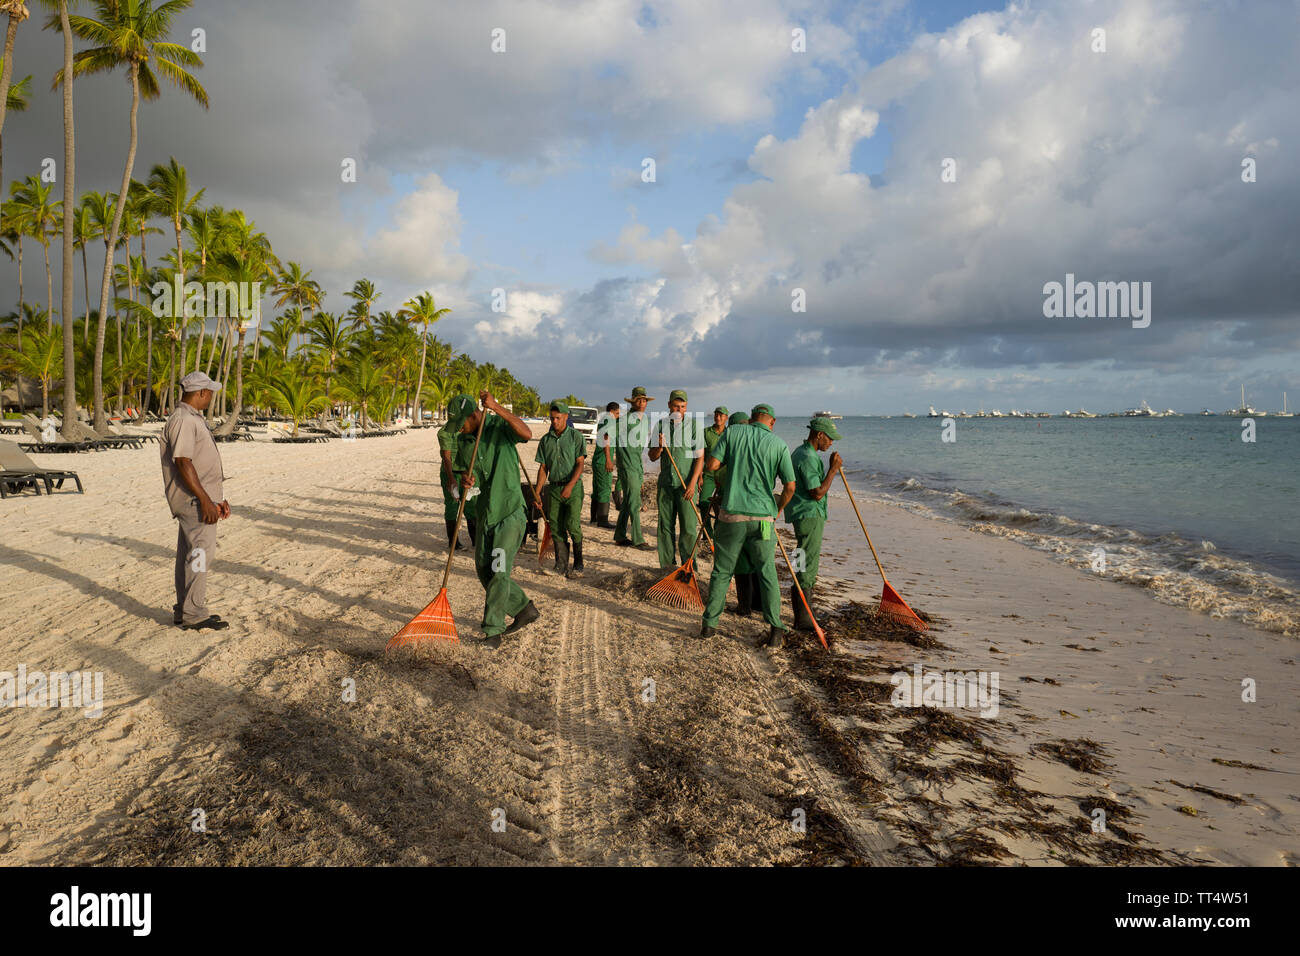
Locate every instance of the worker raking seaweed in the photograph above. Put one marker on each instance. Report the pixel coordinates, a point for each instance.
(498, 509)
(562, 452)
(448, 476)
(807, 509)
(681, 438)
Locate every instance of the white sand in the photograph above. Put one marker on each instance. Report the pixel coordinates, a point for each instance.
(332, 547)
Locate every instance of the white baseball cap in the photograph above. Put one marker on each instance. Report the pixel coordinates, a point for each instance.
(197, 381)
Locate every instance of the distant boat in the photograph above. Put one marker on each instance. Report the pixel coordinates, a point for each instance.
(1142, 411)
(908, 415)
(1206, 411)
(996, 413)
(1284, 413)
(1081, 413)
(933, 413)
(827, 415)
(1245, 411)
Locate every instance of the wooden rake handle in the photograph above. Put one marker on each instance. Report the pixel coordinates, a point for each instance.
(821, 635)
(460, 510)
(854, 502)
(537, 498)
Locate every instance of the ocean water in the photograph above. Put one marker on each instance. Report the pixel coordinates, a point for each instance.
(1180, 506)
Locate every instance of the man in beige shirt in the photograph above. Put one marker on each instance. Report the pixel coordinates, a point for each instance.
(192, 482)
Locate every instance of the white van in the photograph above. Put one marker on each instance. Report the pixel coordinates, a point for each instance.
(583, 418)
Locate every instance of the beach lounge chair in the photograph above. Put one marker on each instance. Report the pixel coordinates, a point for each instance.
(86, 433)
(117, 431)
(41, 445)
(18, 471)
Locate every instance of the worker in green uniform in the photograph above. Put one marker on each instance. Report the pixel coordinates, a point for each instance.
(629, 445)
(708, 484)
(562, 453)
(755, 460)
(449, 478)
(746, 574)
(807, 510)
(681, 438)
(602, 466)
(499, 508)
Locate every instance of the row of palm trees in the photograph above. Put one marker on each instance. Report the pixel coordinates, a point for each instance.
(305, 360)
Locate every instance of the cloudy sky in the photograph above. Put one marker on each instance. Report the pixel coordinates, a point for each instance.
(780, 174)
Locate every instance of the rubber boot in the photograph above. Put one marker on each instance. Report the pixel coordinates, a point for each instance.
(595, 511)
(561, 556)
(577, 561)
(744, 594)
(472, 525)
(802, 619)
(604, 521)
(451, 537)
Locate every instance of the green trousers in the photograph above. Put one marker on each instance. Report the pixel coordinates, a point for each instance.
(708, 486)
(450, 503)
(675, 512)
(734, 540)
(808, 534)
(494, 559)
(629, 516)
(602, 481)
(565, 517)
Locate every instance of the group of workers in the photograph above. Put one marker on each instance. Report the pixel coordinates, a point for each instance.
(723, 477)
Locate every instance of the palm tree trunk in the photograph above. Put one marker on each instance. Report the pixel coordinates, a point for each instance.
(424, 346)
(6, 76)
(233, 420)
(106, 284)
(85, 281)
(148, 369)
(69, 241)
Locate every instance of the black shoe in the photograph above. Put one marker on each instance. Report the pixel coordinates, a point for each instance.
(179, 621)
(561, 556)
(624, 544)
(775, 639)
(802, 619)
(210, 623)
(706, 631)
(578, 569)
(646, 546)
(524, 618)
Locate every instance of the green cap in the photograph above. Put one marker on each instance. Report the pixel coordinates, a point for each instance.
(678, 395)
(721, 410)
(762, 408)
(460, 408)
(822, 424)
(639, 392)
(559, 406)
(739, 418)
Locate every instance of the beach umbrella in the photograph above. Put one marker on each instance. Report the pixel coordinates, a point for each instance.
(435, 622)
(892, 604)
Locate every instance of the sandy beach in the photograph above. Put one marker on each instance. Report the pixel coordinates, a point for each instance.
(606, 733)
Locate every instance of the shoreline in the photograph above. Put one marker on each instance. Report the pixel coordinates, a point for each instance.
(332, 547)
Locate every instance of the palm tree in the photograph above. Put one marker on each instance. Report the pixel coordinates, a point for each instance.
(15, 97)
(170, 196)
(293, 286)
(423, 310)
(296, 395)
(32, 197)
(330, 338)
(131, 34)
(16, 10)
(244, 269)
(83, 230)
(365, 294)
(40, 358)
(361, 383)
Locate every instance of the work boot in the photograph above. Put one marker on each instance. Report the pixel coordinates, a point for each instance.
(561, 556)
(524, 618)
(577, 560)
(706, 631)
(451, 537)
(604, 521)
(802, 619)
(744, 594)
(595, 511)
(473, 530)
(775, 639)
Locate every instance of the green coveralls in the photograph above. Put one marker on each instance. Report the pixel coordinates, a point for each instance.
(499, 509)
(629, 445)
(709, 482)
(807, 515)
(602, 481)
(448, 441)
(684, 441)
(560, 454)
(755, 460)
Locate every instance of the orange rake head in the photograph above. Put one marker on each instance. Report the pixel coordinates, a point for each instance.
(546, 546)
(895, 608)
(434, 623)
(680, 589)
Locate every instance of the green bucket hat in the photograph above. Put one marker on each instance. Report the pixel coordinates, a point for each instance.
(639, 392)
(762, 408)
(460, 408)
(739, 418)
(721, 410)
(821, 424)
(677, 395)
(559, 406)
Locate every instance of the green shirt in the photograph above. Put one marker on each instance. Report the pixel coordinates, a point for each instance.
(809, 473)
(684, 443)
(755, 459)
(633, 432)
(606, 435)
(560, 454)
(496, 470)
(449, 440)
